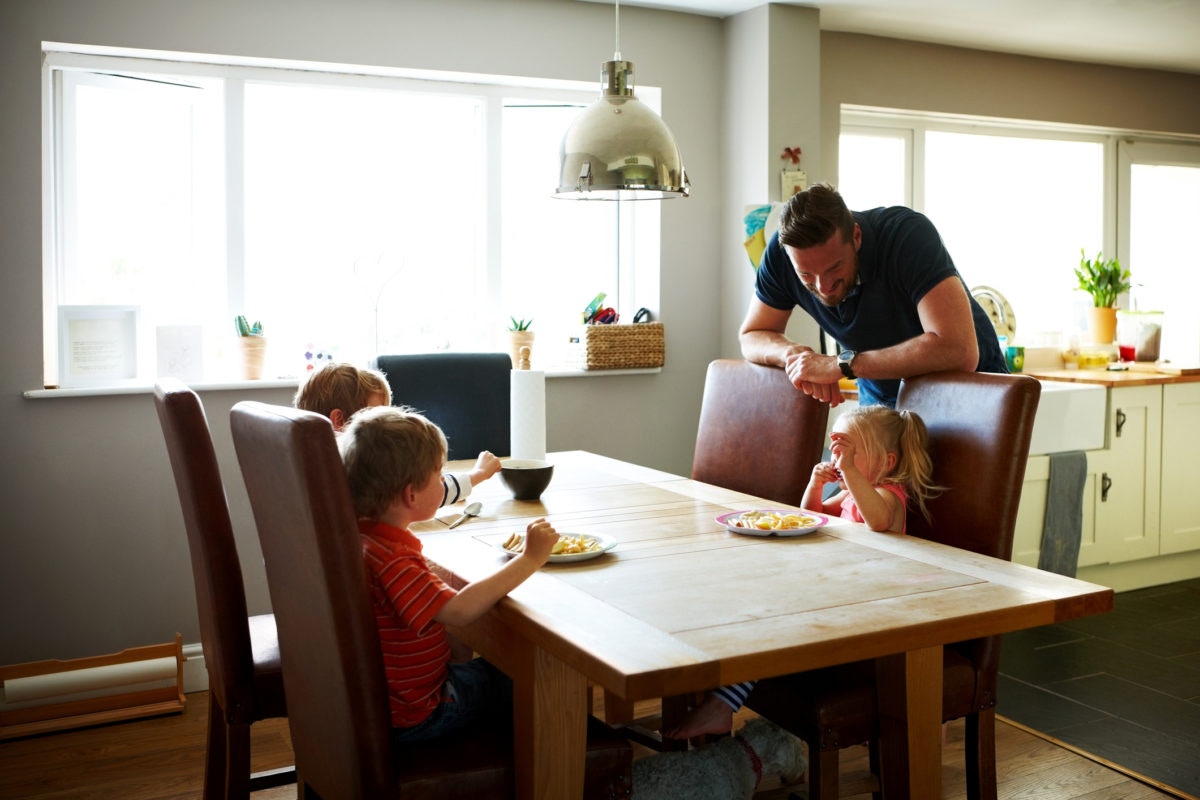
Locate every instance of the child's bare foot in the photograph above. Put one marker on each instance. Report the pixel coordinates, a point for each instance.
(712, 716)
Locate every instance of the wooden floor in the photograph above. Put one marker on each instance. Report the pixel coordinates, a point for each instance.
(162, 759)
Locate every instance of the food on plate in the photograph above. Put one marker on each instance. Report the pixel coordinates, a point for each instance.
(774, 520)
(567, 544)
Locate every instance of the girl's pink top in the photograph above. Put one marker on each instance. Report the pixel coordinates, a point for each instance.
(850, 508)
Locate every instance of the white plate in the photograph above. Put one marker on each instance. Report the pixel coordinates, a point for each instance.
(730, 522)
(605, 543)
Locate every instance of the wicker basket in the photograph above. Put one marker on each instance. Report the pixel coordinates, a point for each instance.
(633, 346)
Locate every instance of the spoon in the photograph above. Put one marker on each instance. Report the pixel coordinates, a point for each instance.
(471, 510)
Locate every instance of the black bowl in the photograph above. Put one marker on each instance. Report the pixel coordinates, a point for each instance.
(526, 478)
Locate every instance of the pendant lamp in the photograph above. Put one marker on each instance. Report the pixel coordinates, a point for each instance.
(617, 148)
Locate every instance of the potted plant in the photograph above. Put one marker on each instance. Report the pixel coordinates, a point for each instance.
(253, 347)
(519, 336)
(1105, 281)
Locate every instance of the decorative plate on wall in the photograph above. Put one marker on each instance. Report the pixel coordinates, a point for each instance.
(997, 308)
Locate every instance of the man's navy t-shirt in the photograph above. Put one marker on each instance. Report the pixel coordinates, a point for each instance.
(901, 258)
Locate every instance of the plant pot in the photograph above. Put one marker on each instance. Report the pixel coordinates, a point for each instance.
(517, 340)
(254, 352)
(1102, 325)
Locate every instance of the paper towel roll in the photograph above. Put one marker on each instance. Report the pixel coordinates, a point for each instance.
(97, 681)
(527, 415)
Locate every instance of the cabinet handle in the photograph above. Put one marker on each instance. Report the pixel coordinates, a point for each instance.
(1120, 421)
(1105, 485)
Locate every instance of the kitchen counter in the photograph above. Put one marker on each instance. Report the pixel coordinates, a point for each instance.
(1113, 379)
(1141, 513)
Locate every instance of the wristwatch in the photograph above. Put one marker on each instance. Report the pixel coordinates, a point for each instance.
(844, 359)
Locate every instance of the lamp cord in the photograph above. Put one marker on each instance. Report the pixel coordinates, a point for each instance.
(617, 31)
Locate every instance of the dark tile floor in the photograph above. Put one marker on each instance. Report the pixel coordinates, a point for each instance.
(1124, 686)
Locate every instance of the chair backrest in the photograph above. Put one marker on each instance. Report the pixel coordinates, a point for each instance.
(465, 394)
(216, 570)
(329, 645)
(979, 429)
(758, 433)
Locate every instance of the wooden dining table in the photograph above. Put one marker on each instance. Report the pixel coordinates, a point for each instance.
(683, 605)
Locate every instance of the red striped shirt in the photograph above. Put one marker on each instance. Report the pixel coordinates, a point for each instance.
(406, 596)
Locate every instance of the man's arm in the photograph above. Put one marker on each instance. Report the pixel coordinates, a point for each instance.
(762, 338)
(764, 342)
(948, 342)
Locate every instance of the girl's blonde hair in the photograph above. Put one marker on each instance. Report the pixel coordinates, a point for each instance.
(882, 430)
(385, 450)
(343, 387)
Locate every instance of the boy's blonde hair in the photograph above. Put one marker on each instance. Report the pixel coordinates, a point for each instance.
(882, 430)
(385, 450)
(343, 387)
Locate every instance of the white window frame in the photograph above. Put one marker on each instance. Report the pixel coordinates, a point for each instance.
(636, 282)
(1117, 144)
(1181, 335)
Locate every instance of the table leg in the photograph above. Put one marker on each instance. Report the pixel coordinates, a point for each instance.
(550, 728)
(910, 717)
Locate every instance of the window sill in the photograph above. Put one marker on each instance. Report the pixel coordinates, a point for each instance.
(600, 373)
(282, 383)
(148, 388)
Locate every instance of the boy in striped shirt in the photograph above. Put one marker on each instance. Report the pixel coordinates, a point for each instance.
(393, 459)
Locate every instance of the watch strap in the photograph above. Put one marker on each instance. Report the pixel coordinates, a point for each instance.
(844, 360)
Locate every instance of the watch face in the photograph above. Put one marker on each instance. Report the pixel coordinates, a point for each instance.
(844, 359)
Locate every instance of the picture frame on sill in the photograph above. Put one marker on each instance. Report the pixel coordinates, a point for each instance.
(97, 345)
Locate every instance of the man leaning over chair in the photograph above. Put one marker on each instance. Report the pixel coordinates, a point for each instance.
(881, 284)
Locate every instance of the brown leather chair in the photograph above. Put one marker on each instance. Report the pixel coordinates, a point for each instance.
(758, 433)
(241, 653)
(332, 663)
(979, 429)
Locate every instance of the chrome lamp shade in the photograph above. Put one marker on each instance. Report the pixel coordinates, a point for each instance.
(618, 149)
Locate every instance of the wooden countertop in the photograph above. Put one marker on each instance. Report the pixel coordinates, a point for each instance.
(1137, 376)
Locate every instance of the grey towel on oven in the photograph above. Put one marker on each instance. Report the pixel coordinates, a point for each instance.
(1062, 527)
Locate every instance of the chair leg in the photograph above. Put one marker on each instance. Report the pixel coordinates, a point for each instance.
(237, 761)
(617, 710)
(674, 709)
(823, 777)
(214, 757)
(873, 765)
(980, 747)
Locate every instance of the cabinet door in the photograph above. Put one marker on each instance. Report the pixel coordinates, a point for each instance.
(1180, 506)
(1123, 480)
(1031, 513)
(1095, 543)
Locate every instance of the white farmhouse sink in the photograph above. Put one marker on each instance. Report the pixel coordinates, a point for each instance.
(1070, 416)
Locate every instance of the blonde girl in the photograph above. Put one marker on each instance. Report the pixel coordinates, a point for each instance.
(881, 465)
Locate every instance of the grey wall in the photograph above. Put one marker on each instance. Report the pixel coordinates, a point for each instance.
(93, 556)
(868, 70)
(92, 553)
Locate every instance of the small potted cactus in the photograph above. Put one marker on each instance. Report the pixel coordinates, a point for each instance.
(253, 347)
(519, 335)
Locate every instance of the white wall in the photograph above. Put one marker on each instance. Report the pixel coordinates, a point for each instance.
(772, 101)
(93, 553)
